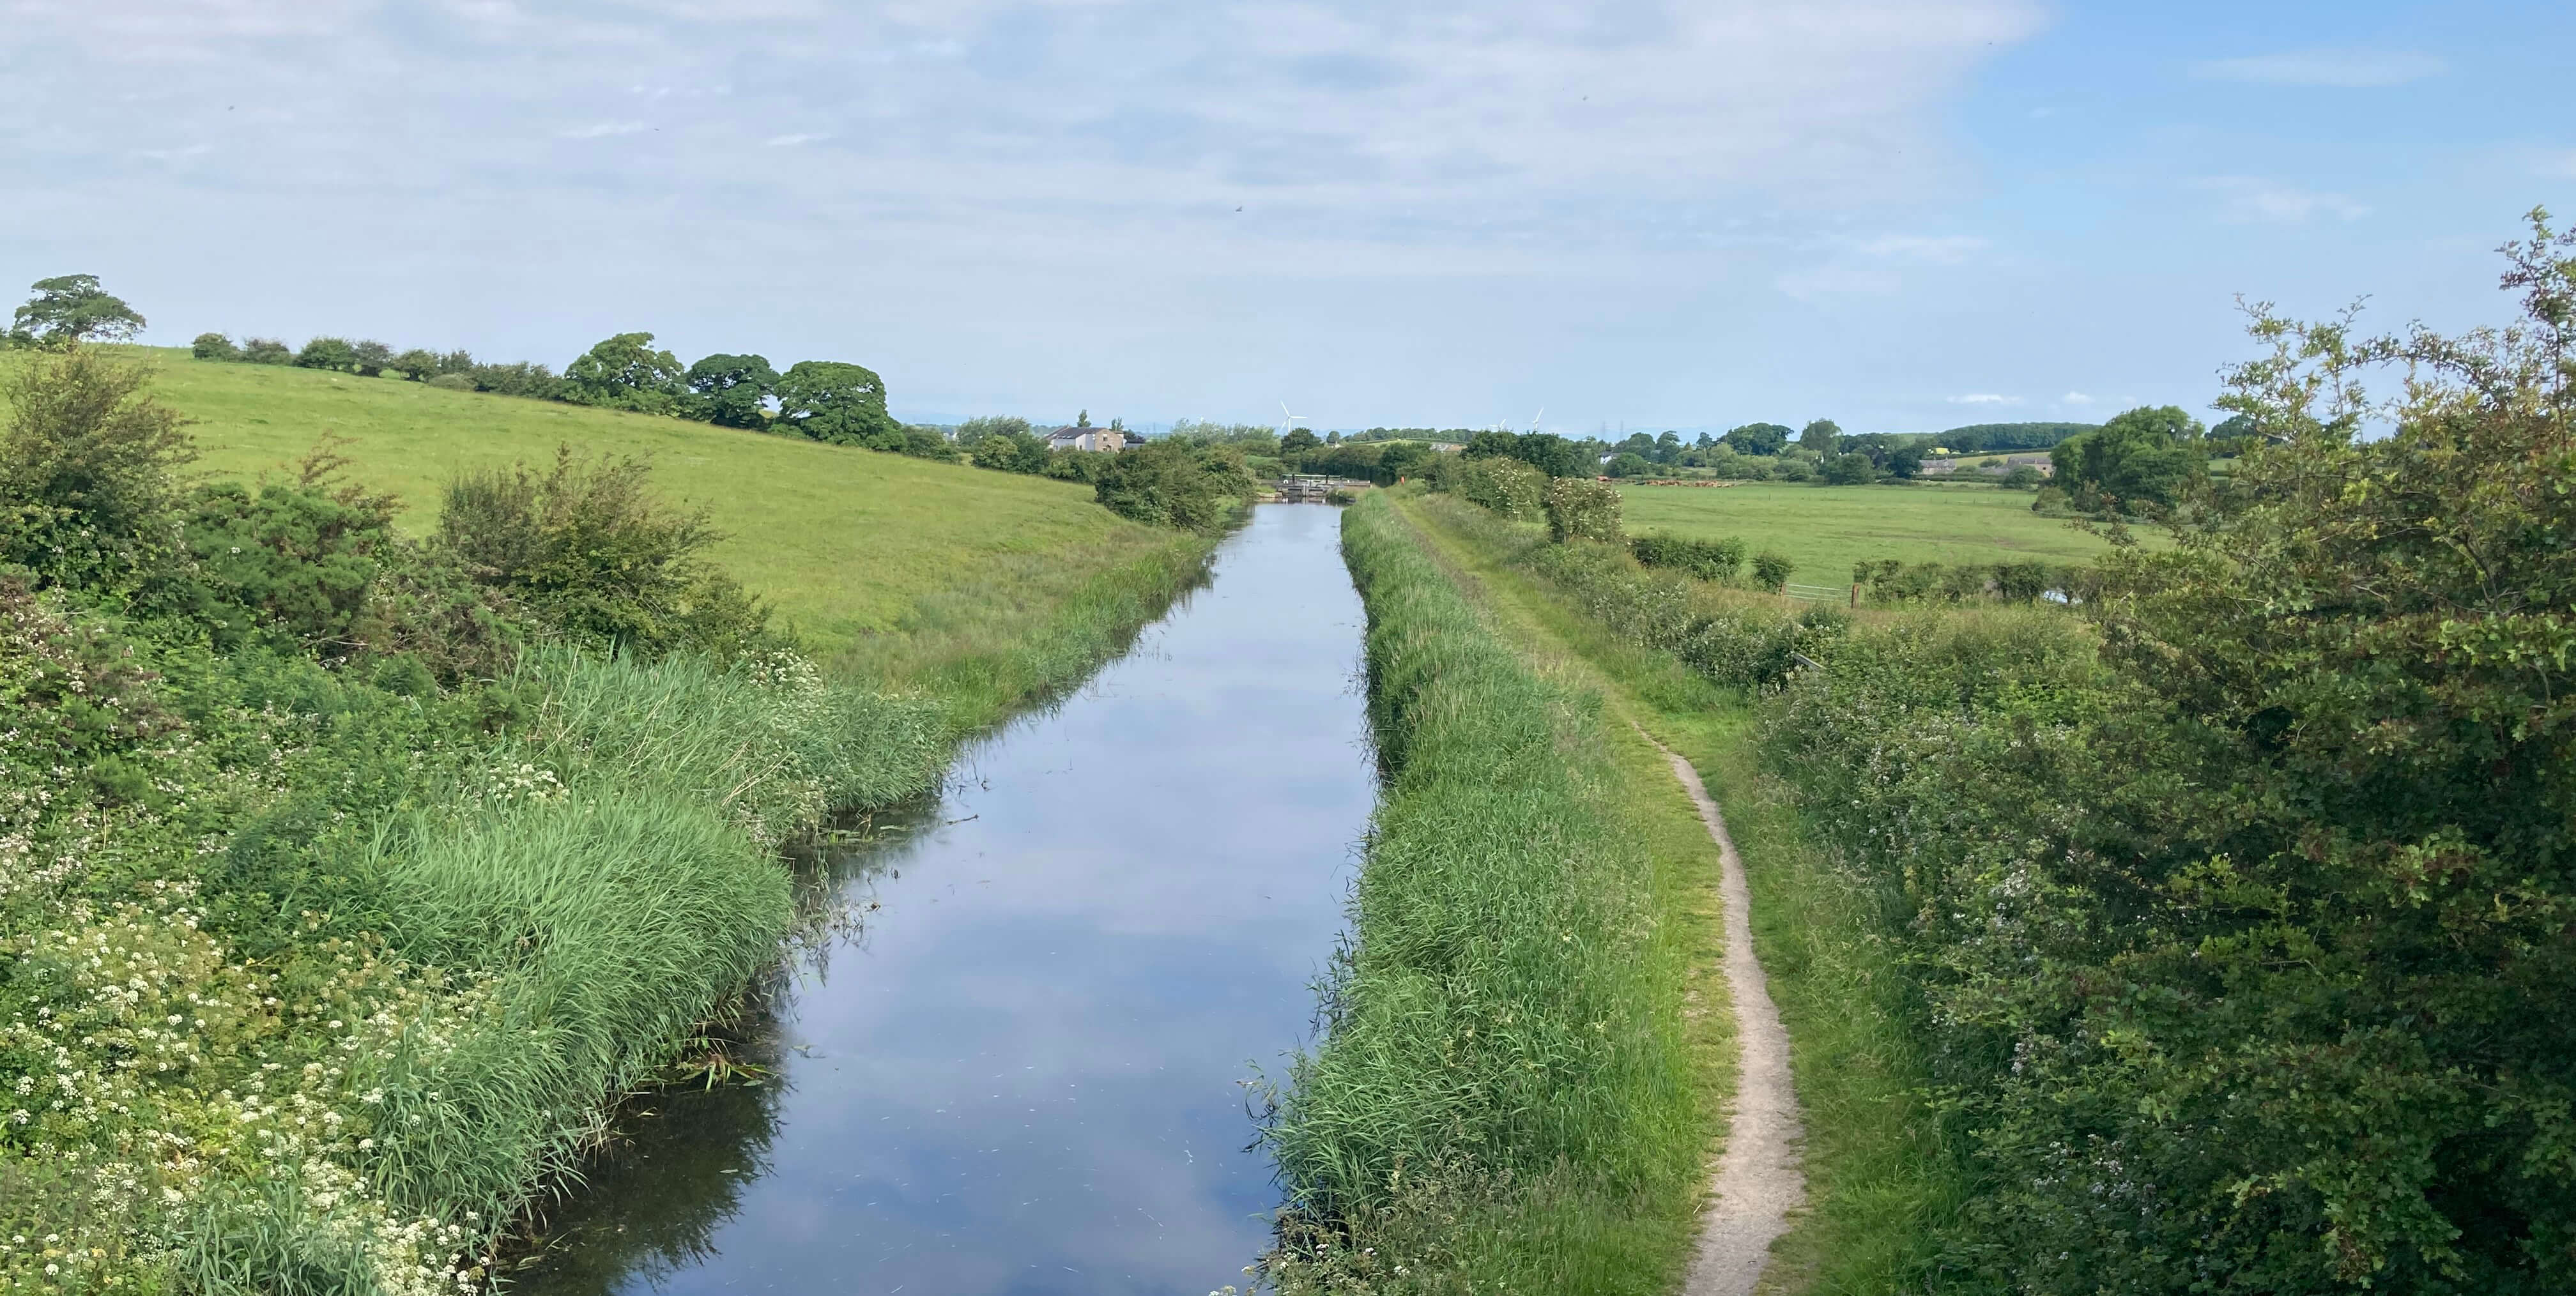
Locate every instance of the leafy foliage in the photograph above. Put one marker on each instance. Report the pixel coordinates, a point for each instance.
(1771, 570)
(625, 372)
(89, 466)
(1507, 486)
(732, 390)
(1175, 484)
(70, 309)
(842, 404)
(588, 548)
(2144, 461)
(1715, 560)
(1579, 508)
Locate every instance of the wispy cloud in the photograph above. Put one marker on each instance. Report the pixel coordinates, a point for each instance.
(1985, 398)
(791, 141)
(2343, 69)
(2249, 198)
(602, 130)
(2075, 398)
(1938, 249)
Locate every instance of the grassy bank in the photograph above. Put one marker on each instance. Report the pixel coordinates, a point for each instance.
(1883, 1177)
(1824, 530)
(1525, 1045)
(318, 958)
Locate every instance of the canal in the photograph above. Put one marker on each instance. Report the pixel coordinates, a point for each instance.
(1020, 1065)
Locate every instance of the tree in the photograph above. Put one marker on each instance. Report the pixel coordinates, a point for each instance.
(268, 351)
(1628, 463)
(733, 390)
(625, 372)
(330, 353)
(1668, 447)
(974, 430)
(1083, 419)
(371, 358)
(1757, 438)
(417, 364)
(1402, 459)
(1299, 439)
(2141, 462)
(1010, 450)
(1851, 469)
(214, 346)
(839, 403)
(69, 309)
(1823, 437)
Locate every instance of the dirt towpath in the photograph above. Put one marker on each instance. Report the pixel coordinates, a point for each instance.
(1758, 1180)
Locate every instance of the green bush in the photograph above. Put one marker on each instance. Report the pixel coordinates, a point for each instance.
(1579, 508)
(1507, 486)
(214, 346)
(1173, 483)
(89, 472)
(588, 549)
(1715, 560)
(1771, 570)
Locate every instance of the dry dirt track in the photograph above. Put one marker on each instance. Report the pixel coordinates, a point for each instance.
(1758, 1180)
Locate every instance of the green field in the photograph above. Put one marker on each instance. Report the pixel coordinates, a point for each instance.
(1825, 529)
(842, 542)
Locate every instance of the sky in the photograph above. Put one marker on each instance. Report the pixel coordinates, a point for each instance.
(1904, 215)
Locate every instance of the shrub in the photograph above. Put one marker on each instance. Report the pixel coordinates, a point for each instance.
(1507, 486)
(1174, 484)
(587, 548)
(327, 353)
(1582, 509)
(268, 351)
(2023, 477)
(214, 346)
(89, 464)
(1852, 469)
(299, 556)
(452, 382)
(1715, 560)
(1771, 570)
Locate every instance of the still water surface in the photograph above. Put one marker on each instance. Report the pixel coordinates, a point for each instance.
(1023, 1073)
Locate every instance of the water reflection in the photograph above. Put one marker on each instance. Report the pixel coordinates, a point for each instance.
(1024, 1074)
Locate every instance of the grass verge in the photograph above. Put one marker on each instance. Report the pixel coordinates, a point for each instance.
(1526, 1046)
(1882, 1176)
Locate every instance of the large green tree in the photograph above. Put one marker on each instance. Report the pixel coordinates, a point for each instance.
(837, 402)
(1823, 436)
(2142, 462)
(625, 372)
(72, 308)
(732, 390)
(1757, 438)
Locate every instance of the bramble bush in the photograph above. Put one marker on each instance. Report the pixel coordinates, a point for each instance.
(2245, 920)
(1579, 508)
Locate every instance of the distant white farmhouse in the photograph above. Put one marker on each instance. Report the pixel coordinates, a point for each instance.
(1086, 438)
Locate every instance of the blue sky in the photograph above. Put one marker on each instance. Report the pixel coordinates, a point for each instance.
(1901, 215)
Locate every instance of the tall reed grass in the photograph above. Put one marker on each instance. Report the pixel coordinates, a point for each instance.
(1503, 1092)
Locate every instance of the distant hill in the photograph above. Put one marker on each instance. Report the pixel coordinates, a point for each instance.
(1987, 438)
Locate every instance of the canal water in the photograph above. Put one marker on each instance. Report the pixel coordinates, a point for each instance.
(1022, 1067)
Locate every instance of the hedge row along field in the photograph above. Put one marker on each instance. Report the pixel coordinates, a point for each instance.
(348, 878)
(2238, 901)
(1504, 1095)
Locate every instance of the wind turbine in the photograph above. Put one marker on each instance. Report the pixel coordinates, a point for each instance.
(1534, 418)
(1291, 425)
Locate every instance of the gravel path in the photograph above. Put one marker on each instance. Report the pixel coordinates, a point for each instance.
(1758, 1181)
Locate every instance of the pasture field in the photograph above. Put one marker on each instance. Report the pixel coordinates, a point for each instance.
(846, 544)
(1825, 529)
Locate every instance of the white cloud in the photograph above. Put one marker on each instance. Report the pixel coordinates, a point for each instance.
(603, 130)
(1985, 398)
(791, 141)
(1937, 249)
(2248, 198)
(2343, 69)
(2075, 398)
